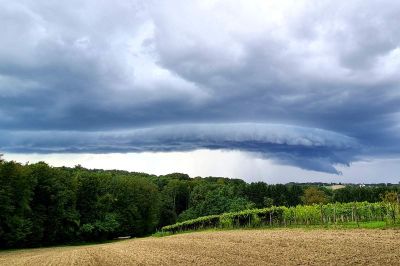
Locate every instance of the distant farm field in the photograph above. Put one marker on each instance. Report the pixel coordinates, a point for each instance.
(233, 247)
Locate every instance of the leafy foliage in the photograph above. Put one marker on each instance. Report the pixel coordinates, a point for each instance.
(313, 195)
(42, 205)
(15, 194)
(209, 199)
(298, 215)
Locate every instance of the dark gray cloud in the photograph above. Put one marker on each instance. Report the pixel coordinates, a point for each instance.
(309, 148)
(307, 84)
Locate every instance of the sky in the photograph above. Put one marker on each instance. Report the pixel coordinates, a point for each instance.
(263, 90)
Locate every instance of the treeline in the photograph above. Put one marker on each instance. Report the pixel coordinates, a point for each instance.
(42, 205)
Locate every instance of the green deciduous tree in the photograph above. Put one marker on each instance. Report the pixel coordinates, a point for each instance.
(313, 195)
(15, 213)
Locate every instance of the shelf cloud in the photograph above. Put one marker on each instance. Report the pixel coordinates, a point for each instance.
(307, 148)
(307, 84)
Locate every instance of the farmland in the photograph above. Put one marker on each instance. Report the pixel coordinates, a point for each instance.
(342, 214)
(41, 205)
(237, 247)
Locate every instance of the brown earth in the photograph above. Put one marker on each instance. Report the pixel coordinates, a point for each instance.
(235, 247)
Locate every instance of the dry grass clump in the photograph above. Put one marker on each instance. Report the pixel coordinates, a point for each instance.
(235, 247)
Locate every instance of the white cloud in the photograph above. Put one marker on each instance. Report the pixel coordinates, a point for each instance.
(233, 164)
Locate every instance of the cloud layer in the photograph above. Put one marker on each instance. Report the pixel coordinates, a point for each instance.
(306, 147)
(310, 84)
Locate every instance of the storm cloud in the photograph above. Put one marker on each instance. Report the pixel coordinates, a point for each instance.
(313, 84)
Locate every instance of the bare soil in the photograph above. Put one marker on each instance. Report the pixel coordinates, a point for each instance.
(235, 247)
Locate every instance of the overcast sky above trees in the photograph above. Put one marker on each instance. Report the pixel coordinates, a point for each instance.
(309, 88)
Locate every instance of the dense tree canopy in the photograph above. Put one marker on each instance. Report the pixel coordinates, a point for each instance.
(313, 195)
(43, 205)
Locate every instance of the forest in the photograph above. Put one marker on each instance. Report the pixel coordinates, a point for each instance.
(42, 205)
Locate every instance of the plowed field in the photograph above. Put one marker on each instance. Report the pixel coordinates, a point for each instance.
(235, 247)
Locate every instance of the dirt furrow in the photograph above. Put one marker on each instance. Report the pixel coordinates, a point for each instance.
(236, 247)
